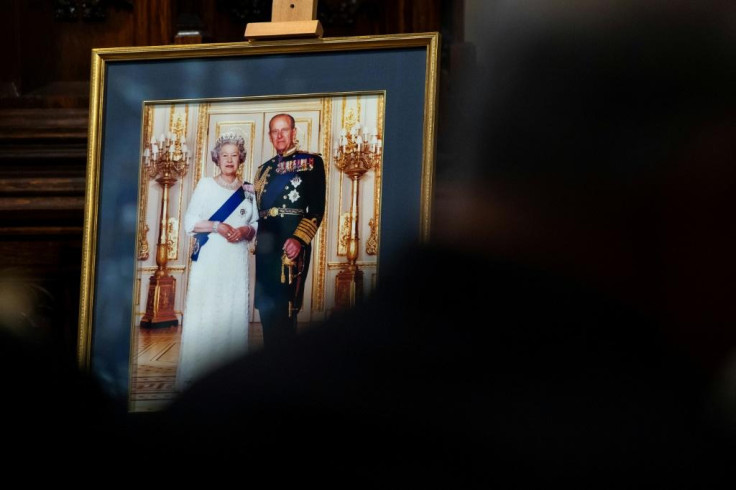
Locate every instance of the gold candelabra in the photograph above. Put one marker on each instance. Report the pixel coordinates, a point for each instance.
(164, 159)
(356, 153)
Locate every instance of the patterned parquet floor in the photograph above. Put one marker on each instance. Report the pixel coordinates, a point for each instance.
(154, 372)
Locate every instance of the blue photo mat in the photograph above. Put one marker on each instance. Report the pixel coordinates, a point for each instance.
(400, 72)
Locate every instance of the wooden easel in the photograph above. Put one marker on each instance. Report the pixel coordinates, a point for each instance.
(289, 18)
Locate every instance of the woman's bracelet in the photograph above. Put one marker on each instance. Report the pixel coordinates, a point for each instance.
(215, 224)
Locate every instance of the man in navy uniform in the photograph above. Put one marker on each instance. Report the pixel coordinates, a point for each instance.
(290, 190)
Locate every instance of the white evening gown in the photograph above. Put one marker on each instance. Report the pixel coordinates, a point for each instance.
(215, 320)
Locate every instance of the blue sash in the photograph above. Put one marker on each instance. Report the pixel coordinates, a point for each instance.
(220, 215)
(279, 182)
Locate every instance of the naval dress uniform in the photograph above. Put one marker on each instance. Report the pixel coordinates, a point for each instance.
(290, 192)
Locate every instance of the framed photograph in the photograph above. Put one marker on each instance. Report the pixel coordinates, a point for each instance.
(185, 141)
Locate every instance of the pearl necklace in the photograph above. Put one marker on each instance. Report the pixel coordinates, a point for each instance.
(227, 185)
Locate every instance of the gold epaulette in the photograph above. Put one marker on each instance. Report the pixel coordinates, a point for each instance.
(267, 162)
(306, 230)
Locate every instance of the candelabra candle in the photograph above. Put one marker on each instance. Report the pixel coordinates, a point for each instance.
(356, 152)
(166, 156)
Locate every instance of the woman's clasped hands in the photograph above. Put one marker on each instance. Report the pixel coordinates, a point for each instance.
(232, 234)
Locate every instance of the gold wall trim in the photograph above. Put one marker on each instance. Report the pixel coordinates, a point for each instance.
(380, 113)
(253, 165)
(173, 113)
(143, 250)
(203, 129)
(372, 244)
(172, 236)
(309, 132)
(318, 276)
(343, 233)
(202, 132)
(174, 239)
(143, 228)
(341, 246)
(342, 115)
(359, 110)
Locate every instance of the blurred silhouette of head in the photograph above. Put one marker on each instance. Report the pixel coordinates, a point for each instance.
(605, 150)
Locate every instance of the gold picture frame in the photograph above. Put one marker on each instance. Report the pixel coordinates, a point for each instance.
(391, 80)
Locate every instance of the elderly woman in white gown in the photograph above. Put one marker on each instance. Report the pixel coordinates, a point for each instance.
(222, 215)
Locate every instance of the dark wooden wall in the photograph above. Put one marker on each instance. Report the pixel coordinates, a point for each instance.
(44, 97)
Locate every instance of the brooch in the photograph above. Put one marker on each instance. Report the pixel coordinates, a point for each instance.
(293, 195)
(249, 189)
(296, 181)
